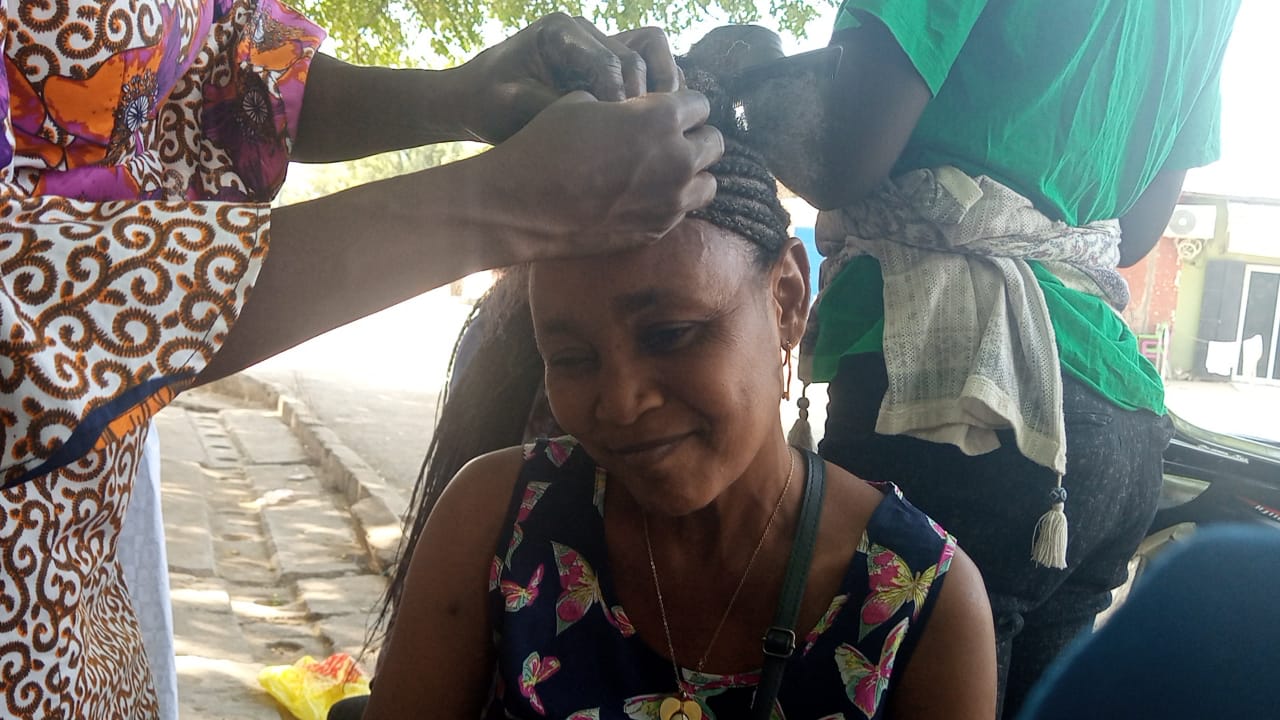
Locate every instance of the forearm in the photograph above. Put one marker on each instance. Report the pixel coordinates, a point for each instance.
(1144, 223)
(351, 111)
(582, 177)
(342, 257)
(871, 110)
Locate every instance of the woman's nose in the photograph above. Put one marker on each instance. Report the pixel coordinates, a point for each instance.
(627, 392)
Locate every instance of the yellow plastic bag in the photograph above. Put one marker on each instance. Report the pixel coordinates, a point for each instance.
(308, 688)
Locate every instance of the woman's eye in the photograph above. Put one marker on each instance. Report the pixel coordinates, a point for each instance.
(569, 360)
(664, 338)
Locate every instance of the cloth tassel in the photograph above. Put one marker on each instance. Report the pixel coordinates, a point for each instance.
(801, 435)
(1049, 547)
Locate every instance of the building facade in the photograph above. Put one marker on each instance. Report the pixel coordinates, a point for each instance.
(1206, 301)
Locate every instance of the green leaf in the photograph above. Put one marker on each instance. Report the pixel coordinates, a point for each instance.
(383, 32)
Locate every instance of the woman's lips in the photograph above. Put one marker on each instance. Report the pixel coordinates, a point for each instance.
(648, 452)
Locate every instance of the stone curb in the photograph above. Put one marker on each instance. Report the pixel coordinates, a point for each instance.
(376, 507)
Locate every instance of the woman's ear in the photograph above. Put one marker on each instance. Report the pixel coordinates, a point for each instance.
(791, 290)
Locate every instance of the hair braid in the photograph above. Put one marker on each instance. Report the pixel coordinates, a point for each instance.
(746, 200)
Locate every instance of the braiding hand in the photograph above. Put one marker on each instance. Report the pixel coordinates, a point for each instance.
(510, 83)
(587, 176)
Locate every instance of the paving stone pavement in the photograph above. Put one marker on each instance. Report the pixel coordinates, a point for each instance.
(267, 563)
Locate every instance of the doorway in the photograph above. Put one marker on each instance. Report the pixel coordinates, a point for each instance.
(1259, 328)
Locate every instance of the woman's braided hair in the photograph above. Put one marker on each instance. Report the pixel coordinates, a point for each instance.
(746, 201)
(491, 399)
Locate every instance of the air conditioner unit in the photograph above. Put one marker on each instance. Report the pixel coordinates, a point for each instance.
(1193, 221)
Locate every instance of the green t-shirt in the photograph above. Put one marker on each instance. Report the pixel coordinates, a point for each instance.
(1076, 105)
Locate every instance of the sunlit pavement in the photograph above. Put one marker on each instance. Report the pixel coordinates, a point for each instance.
(375, 382)
(266, 563)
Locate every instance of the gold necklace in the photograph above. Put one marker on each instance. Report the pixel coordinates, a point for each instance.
(682, 706)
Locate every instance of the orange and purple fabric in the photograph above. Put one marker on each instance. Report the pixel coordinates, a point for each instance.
(142, 143)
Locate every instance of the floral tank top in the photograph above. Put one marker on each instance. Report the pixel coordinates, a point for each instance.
(566, 649)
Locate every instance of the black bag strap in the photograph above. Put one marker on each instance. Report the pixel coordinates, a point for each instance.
(780, 639)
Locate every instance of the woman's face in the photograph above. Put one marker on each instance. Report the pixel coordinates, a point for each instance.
(665, 362)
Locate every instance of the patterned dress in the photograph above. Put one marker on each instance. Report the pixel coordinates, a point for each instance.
(142, 141)
(566, 648)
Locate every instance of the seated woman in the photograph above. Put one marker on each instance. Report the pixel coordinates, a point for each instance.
(641, 557)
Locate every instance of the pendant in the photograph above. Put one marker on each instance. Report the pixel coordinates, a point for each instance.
(674, 708)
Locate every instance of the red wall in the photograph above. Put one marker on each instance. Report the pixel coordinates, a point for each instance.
(1153, 288)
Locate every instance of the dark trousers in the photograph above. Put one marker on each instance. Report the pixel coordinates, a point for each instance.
(991, 503)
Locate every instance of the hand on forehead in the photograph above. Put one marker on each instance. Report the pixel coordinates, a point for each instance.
(696, 264)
